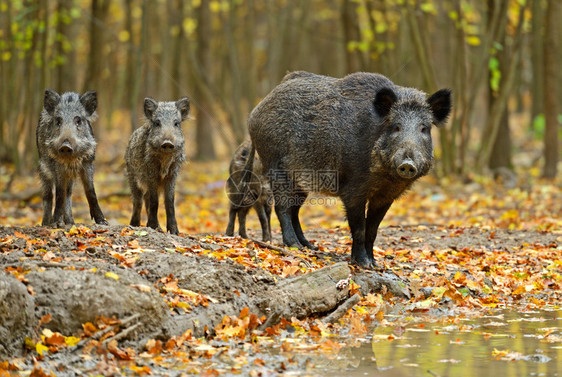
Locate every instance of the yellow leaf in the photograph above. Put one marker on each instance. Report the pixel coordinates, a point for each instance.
(215, 6)
(438, 292)
(497, 352)
(40, 348)
(510, 214)
(71, 341)
(473, 40)
(183, 305)
(425, 304)
(189, 25)
(458, 276)
(112, 275)
(124, 35)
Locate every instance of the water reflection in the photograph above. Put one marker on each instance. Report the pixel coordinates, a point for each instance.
(507, 344)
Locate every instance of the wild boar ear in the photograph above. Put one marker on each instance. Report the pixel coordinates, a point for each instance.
(51, 100)
(440, 104)
(384, 100)
(90, 101)
(150, 106)
(183, 106)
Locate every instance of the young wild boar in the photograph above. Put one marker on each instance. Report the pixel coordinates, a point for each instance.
(67, 148)
(154, 156)
(245, 195)
(373, 136)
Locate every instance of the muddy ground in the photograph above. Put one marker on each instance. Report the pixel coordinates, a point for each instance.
(76, 275)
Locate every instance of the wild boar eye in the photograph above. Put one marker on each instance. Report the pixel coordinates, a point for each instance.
(177, 124)
(156, 123)
(77, 121)
(396, 128)
(58, 121)
(425, 129)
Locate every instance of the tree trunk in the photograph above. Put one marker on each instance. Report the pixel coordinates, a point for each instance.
(537, 61)
(498, 105)
(27, 102)
(236, 74)
(95, 56)
(205, 148)
(135, 74)
(65, 56)
(351, 34)
(501, 151)
(551, 90)
(500, 156)
(176, 16)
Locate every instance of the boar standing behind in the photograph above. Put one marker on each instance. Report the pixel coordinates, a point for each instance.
(67, 149)
(374, 135)
(154, 156)
(255, 193)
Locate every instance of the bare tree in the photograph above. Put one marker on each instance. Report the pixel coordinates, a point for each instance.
(65, 58)
(205, 147)
(551, 90)
(96, 60)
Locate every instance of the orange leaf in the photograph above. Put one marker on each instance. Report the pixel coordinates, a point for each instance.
(89, 328)
(56, 339)
(141, 371)
(519, 290)
(119, 353)
(154, 347)
(38, 372)
(45, 319)
(19, 234)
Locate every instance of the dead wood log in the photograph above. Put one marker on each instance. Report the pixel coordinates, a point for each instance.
(371, 282)
(342, 309)
(313, 293)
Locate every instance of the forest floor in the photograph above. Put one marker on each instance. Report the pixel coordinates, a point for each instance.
(115, 300)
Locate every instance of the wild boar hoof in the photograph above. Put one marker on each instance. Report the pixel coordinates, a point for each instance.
(310, 246)
(364, 262)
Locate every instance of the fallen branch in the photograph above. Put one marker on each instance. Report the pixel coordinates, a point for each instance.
(203, 243)
(24, 196)
(121, 334)
(281, 251)
(108, 329)
(342, 309)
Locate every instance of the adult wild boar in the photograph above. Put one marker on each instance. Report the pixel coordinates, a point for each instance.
(154, 156)
(67, 150)
(361, 138)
